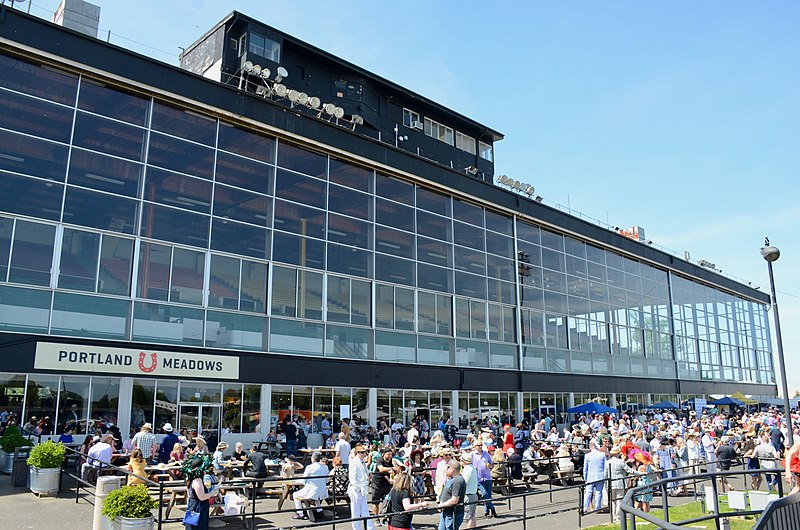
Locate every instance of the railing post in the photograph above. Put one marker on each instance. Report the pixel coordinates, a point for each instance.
(161, 503)
(610, 500)
(716, 499)
(580, 505)
(665, 501)
(524, 512)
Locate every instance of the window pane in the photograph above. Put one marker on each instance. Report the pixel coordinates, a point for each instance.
(396, 215)
(39, 118)
(251, 409)
(104, 173)
(472, 353)
(31, 156)
(499, 223)
(390, 241)
(350, 175)
(237, 331)
(435, 252)
(299, 219)
(242, 206)
(31, 197)
(301, 189)
(394, 189)
(301, 160)
(350, 202)
(434, 202)
(309, 286)
(254, 286)
(238, 238)
(296, 337)
(244, 173)
(503, 246)
(112, 102)
(361, 302)
(434, 278)
(349, 343)
(154, 271)
(37, 80)
(470, 285)
(397, 347)
(116, 257)
(348, 260)
(384, 306)
(89, 316)
(284, 291)
(25, 310)
(349, 231)
(435, 350)
(180, 155)
(178, 190)
(395, 270)
(435, 226)
(32, 253)
(223, 288)
(404, 309)
(167, 324)
(74, 405)
(338, 299)
(108, 136)
(187, 276)
(467, 259)
(426, 312)
(6, 225)
(302, 251)
(79, 252)
(184, 123)
(170, 224)
(246, 143)
(99, 210)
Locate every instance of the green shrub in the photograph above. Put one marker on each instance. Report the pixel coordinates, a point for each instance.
(129, 501)
(12, 439)
(47, 455)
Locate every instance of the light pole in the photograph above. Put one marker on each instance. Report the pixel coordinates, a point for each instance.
(771, 254)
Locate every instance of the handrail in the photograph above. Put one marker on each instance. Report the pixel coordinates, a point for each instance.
(628, 509)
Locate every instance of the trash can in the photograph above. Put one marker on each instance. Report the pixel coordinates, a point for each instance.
(19, 472)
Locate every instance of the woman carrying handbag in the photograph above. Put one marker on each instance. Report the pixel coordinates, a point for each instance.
(200, 487)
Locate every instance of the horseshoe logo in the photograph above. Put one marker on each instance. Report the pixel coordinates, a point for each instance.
(153, 362)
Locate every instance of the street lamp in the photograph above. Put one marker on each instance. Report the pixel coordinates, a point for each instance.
(771, 253)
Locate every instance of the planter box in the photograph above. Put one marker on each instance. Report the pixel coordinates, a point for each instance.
(6, 462)
(44, 480)
(146, 523)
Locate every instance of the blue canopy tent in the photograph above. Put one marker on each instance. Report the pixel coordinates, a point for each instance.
(727, 401)
(591, 408)
(664, 405)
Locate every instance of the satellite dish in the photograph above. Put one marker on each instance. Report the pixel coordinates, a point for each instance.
(248, 66)
(265, 73)
(329, 108)
(314, 102)
(280, 89)
(257, 69)
(338, 112)
(302, 98)
(294, 96)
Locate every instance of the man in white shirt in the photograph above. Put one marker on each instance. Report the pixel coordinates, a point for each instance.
(358, 489)
(396, 426)
(655, 443)
(413, 434)
(343, 449)
(315, 489)
(98, 457)
(709, 446)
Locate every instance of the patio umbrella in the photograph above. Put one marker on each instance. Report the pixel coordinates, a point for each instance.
(727, 400)
(664, 405)
(591, 408)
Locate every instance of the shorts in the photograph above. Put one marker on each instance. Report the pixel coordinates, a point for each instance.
(470, 505)
(376, 494)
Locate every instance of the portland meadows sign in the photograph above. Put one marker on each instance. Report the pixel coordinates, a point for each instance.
(72, 357)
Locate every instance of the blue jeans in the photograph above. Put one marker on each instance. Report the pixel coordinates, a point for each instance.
(452, 521)
(485, 489)
(291, 447)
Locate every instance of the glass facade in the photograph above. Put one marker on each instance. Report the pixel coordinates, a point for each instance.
(156, 224)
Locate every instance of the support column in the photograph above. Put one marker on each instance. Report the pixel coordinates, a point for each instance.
(613, 402)
(266, 402)
(520, 407)
(372, 406)
(455, 412)
(571, 400)
(124, 405)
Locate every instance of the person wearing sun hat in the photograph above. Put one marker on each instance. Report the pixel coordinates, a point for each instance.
(200, 487)
(167, 443)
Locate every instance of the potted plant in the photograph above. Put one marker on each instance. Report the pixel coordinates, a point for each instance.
(10, 440)
(45, 462)
(130, 507)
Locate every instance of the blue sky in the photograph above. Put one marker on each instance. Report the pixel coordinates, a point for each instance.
(680, 117)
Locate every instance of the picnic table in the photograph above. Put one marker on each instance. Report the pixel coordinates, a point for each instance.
(269, 448)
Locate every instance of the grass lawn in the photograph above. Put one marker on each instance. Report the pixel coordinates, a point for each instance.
(684, 512)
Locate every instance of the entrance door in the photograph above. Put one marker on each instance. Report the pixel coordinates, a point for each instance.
(202, 419)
